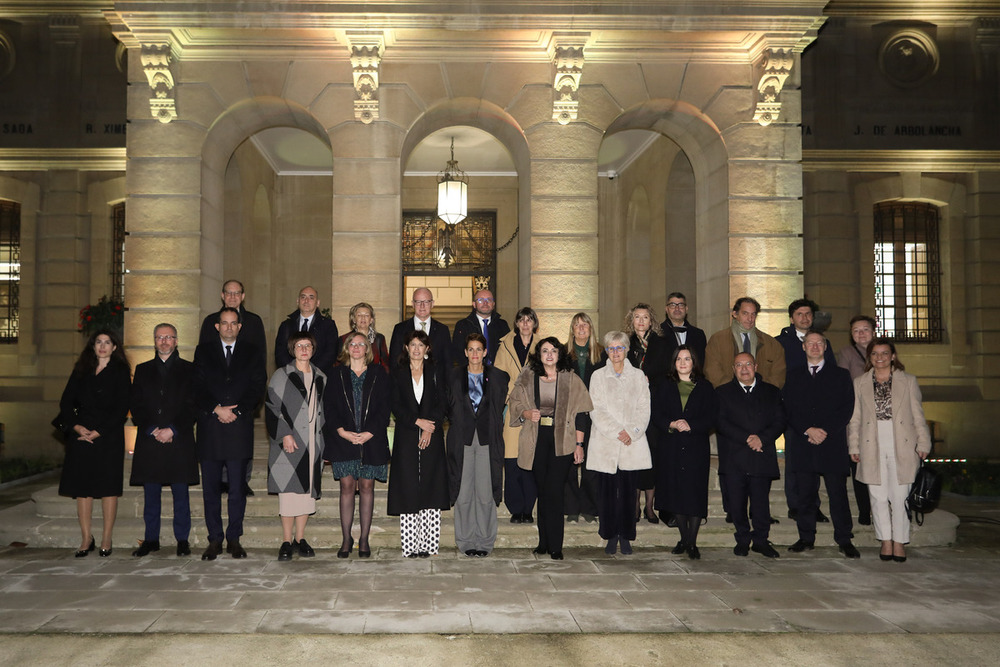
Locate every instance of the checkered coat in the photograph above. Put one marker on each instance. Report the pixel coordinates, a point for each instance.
(287, 413)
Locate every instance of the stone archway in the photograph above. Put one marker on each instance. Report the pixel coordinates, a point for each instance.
(494, 120)
(226, 134)
(704, 148)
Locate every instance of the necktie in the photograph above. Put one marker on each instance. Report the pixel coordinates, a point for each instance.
(746, 343)
(229, 355)
(305, 325)
(486, 335)
(747, 388)
(423, 327)
(814, 370)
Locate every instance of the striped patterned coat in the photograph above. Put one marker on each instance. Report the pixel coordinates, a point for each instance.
(287, 413)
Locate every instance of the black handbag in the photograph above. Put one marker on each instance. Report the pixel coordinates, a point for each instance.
(925, 494)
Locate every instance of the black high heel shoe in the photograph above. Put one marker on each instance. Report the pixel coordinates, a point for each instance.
(104, 553)
(345, 554)
(364, 553)
(83, 552)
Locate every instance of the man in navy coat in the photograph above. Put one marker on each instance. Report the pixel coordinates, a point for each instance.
(482, 320)
(751, 417)
(323, 329)
(819, 402)
(232, 379)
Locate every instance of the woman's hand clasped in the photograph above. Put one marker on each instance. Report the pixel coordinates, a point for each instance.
(288, 444)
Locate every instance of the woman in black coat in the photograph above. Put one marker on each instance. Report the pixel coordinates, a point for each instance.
(357, 445)
(684, 408)
(92, 414)
(418, 488)
(646, 352)
(477, 397)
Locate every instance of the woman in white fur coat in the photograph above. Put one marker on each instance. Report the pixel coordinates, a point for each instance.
(618, 446)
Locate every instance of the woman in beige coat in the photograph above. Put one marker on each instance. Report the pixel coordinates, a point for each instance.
(887, 438)
(550, 405)
(618, 447)
(519, 490)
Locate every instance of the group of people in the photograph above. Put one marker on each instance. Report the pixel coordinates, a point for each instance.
(583, 429)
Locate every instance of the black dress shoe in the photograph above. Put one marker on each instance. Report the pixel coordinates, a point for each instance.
(248, 491)
(213, 551)
(344, 553)
(679, 548)
(774, 521)
(885, 557)
(899, 559)
(765, 550)
(741, 550)
(236, 550)
(729, 517)
(557, 555)
(424, 554)
(482, 554)
(83, 552)
(515, 518)
(589, 518)
(527, 518)
(850, 550)
(624, 546)
(183, 548)
(865, 520)
(415, 554)
(693, 553)
(146, 547)
(793, 514)
(304, 549)
(471, 553)
(611, 547)
(821, 518)
(572, 518)
(285, 551)
(540, 551)
(801, 546)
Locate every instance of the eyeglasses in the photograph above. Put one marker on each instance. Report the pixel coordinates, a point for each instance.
(616, 348)
(744, 364)
(423, 303)
(160, 339)
(232, 293)
(674, 304)
(357, 345)
(303, 346)
(484, 299)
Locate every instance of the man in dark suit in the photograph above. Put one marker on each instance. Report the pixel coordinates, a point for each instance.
(483, 320)
(678, 331)
(323, 329)
(801, 313)
(252, 330)
(163, 411)
(751, 418)
(819, 402)
(423, 302)
(232, 380)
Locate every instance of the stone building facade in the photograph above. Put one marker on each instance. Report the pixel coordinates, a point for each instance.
(732, 190)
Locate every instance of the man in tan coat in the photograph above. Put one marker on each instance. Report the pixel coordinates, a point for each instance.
(742, 335)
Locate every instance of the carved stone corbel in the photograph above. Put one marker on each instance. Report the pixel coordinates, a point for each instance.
(366, 55)
(777, 67)
(569, 70)
(156, 60)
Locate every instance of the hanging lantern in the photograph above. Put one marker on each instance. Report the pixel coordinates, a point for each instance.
(453, 192)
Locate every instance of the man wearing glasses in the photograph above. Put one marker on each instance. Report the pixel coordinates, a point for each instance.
(678, 331)
(163, 411)
(440, 337)
(482, 320)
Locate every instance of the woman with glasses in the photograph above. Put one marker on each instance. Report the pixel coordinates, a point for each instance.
(294, 416)
(358, 450)
(684, 409)
(618, 447)
(549, 404)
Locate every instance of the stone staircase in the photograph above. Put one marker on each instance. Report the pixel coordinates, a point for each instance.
(49, 520)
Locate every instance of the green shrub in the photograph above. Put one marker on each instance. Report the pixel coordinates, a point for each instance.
(974, 477)
(18, 467)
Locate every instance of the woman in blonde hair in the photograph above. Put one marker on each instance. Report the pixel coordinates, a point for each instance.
(585, 354)
(363, 321)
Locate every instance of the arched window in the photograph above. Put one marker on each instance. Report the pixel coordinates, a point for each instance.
(10, 270)
(908, 271)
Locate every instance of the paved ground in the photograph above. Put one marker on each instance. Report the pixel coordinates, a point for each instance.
(58, 609)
